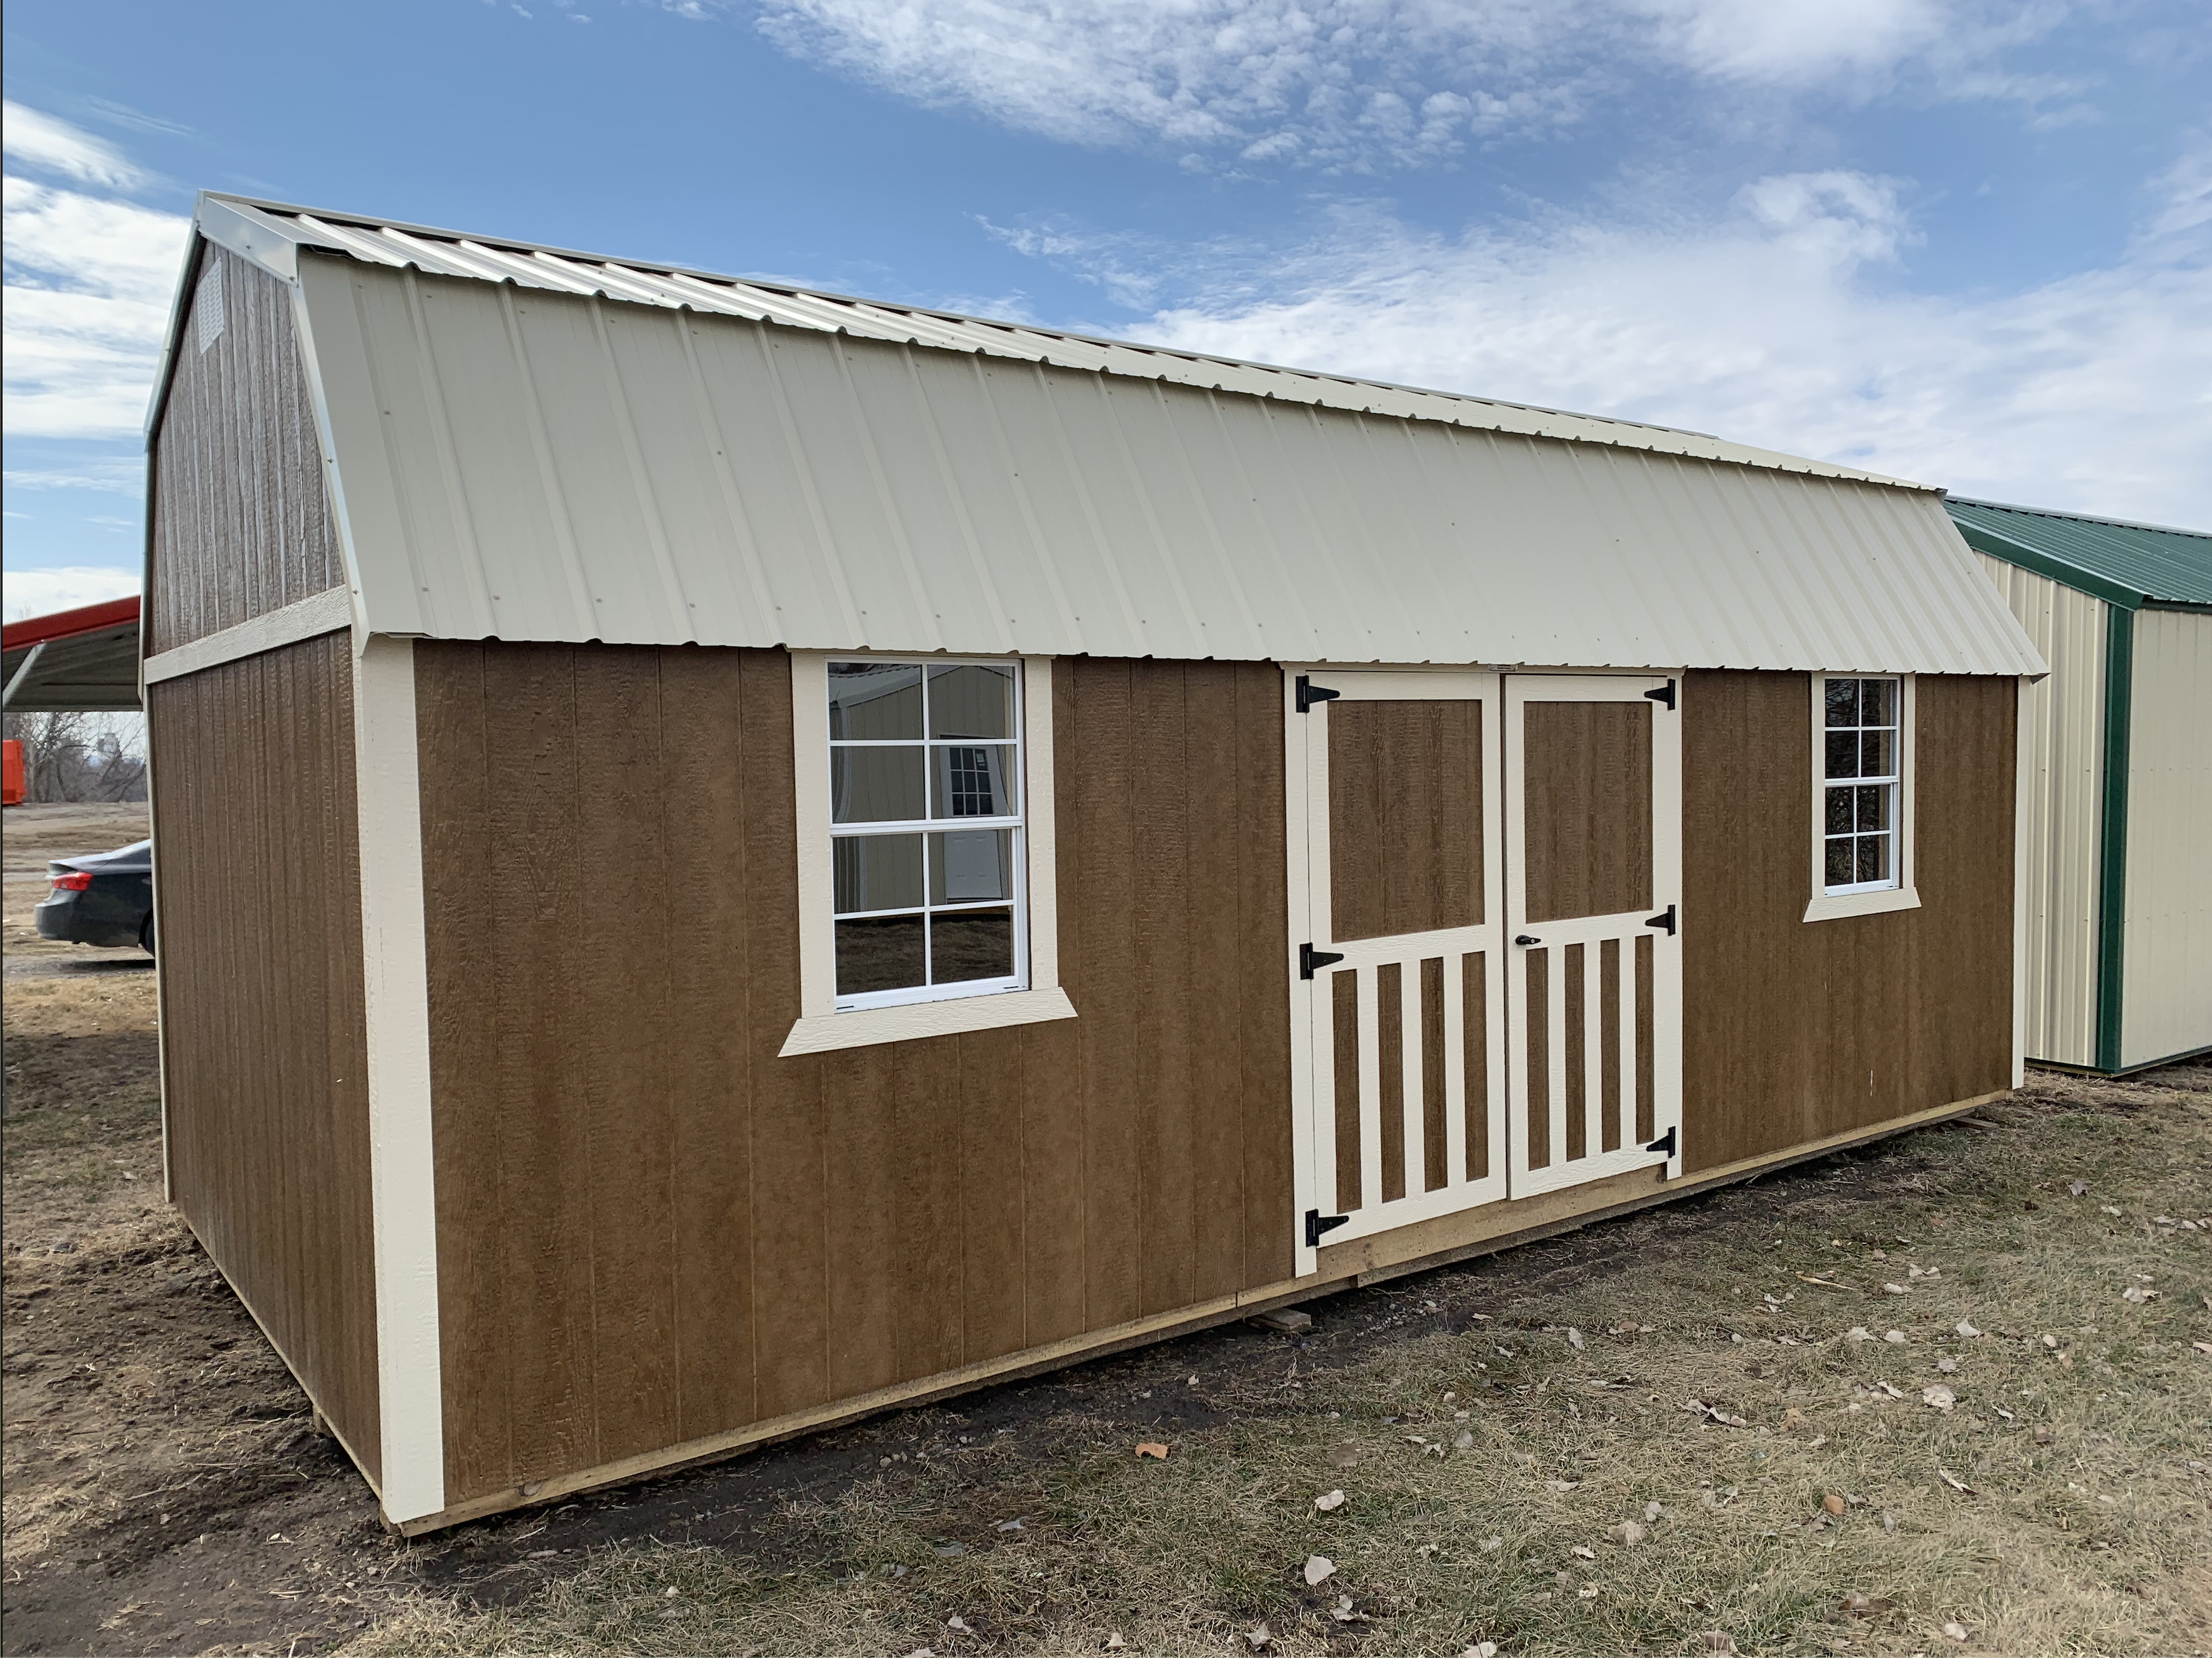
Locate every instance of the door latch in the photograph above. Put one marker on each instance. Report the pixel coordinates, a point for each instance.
(1317, 1222)
(1311, 960)
(1525, 939)
(1664, 919)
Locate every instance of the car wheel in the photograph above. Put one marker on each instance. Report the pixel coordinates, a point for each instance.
(146, 934)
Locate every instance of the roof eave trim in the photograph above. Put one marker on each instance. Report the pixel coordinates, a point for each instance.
(2039, 562)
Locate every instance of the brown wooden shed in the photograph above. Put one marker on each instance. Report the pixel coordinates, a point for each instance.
(728, 857)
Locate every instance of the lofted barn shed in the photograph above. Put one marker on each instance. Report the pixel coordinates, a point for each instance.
(2118, 785)
(730, 857)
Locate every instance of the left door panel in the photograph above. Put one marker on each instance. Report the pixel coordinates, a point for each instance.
(1398, 977)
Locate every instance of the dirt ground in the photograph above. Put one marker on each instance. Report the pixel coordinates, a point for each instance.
(1494, 1425)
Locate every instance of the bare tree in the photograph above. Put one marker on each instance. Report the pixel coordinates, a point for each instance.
(80, 756)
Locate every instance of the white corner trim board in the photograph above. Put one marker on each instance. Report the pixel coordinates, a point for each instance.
(820, 1026)
(308, 618)
(410, 1384)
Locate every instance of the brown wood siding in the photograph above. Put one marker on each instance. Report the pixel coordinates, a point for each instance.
(1405, 816)
(242, 523)
(651, 1228)
(1586, 771)
(264, 1039)
(1794, 1031)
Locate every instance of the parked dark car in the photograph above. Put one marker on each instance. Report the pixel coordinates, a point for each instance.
(101, 898)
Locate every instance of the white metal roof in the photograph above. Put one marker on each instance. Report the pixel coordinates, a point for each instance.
(537, 446)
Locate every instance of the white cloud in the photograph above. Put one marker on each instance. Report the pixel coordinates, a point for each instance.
(1349, 84)
(52, 145)
(41, 592)
(1779, 322)
(116, 475)
(88, 287)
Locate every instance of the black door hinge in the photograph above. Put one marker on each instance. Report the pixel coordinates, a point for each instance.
(1309, 694)
(1317, 1222)
(1665, 1144)
(1666, 696)
(1311, 960)
(1665, 919)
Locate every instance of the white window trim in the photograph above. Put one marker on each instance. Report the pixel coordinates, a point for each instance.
(821, 1027)
(1826, 906)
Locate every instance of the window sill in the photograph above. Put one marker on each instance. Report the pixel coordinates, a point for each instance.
(867, 1026)
(1827, 908)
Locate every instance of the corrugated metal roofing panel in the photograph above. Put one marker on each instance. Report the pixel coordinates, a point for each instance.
(490, 259)
(2159, 565)
(526, 463)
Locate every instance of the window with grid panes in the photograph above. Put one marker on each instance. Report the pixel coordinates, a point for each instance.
(1863, 771)
(926, 830)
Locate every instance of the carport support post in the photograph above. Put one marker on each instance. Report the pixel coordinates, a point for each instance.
(396, 982)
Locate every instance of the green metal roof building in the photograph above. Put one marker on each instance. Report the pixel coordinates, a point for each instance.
(2116, 940)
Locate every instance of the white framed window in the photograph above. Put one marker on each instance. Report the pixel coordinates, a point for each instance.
(1861, 795)
(926, 876)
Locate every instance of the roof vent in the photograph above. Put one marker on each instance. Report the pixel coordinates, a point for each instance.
(207, 308)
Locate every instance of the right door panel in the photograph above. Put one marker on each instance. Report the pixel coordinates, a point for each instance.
(1593, 868)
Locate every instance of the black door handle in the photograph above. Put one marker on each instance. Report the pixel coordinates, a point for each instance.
(1526, 938)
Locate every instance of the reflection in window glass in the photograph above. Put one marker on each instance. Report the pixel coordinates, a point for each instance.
(913, 745)
(1863, 778)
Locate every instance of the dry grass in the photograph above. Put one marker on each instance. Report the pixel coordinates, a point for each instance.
(2095, 1541)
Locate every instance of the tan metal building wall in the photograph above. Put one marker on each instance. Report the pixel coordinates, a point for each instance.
(2167, 981)
(2061, 791)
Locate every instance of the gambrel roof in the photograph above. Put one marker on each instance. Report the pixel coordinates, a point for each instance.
(530, 444)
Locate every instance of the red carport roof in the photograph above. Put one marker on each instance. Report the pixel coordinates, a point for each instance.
(67, 624)
(84, 660)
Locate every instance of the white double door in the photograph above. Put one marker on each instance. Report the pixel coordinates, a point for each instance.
(1484, 938)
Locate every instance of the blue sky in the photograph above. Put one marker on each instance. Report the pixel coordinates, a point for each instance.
(1965, 242)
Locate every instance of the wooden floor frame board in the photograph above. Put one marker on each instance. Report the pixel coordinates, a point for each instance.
(1343, 1266)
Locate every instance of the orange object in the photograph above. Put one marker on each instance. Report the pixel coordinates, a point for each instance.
(11, 773)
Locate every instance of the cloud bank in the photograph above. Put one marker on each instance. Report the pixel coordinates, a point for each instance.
(89, 280)
(1778, 321)
(1355, 85)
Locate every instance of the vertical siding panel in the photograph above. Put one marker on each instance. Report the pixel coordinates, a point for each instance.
(1263, 1047)
(243, 524)
(625, 970)
(1161, 897)
(870, 1225)
(2167, 972)
(263, 1042)
(994, 1169)
(463, 956)
(1212, 849)
(926, 1107)
(544, 1150)
(1102, 830)
(790, 1199)
(704, 733)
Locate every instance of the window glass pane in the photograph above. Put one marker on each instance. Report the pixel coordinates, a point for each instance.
(971, 700)
(884, 953)
(971, 944)
(1843, 702)
(1877, 702)
(1839, 812)
(877, 785)
(1877, 754)
(1843, 755)
(877, 872)
(972, 783)
(968, 866)
(875, 701)
(1839, 862)
(1874, 857)
(1874, 808)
